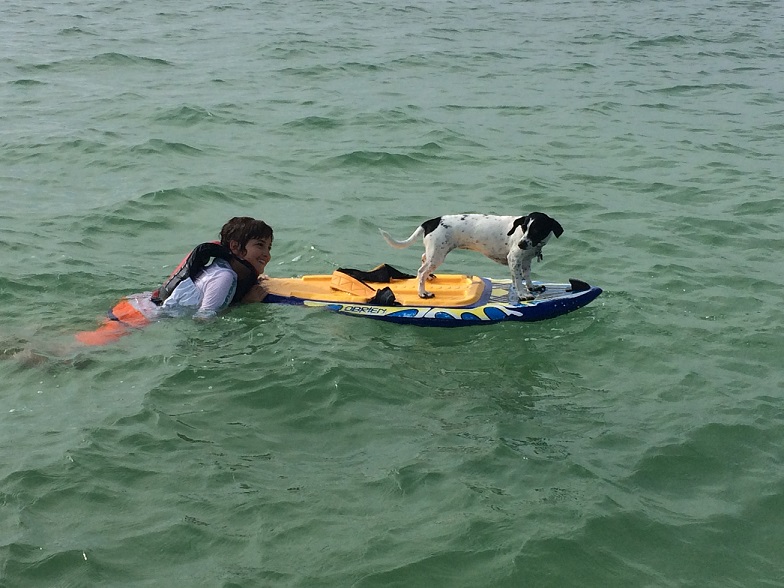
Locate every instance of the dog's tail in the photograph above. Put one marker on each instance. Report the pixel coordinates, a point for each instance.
(402, 244)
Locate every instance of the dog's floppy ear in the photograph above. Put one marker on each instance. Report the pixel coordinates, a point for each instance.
(517, 222)
(557, 228)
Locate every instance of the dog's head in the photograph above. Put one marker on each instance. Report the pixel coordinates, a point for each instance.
(537, 228)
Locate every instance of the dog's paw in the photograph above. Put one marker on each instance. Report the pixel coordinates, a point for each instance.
(427, 295)
(517, 300)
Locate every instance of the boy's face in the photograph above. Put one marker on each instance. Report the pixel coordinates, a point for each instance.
(256, 252)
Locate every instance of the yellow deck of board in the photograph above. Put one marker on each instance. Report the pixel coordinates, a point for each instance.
(450, 290)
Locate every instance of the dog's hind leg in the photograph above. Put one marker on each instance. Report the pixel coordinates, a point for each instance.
(424, 273)
(430, 262)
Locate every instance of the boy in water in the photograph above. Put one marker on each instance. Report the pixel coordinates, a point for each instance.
(199, 288)
(232, 278)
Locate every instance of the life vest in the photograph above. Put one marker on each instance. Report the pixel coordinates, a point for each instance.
(124, 316)
(197, 261)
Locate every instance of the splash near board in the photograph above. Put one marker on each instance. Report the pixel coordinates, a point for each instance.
(460, 300)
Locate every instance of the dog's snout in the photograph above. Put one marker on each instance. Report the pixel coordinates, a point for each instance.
(523, 245)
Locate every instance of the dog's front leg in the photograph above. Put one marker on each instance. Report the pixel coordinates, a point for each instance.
(525, 279)
(528, 283)
(519, 291)
(520, 269)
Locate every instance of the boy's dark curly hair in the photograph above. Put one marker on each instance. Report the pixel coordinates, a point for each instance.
(244, 228)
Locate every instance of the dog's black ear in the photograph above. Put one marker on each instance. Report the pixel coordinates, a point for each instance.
(557, 228)
(517, 222)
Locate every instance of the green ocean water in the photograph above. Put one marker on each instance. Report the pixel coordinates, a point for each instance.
(635, 442)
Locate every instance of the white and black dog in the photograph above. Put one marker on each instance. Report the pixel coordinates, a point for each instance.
(510, 240)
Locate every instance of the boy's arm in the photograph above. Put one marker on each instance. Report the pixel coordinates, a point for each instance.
(218, 291)
(257, 293)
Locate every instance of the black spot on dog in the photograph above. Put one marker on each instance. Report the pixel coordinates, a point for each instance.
(431, 225)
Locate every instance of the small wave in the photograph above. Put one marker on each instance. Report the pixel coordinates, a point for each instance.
(193, 115)
(103, 59)
(409, 8)
(287, 52)
(413, 61)
(115, 59)
(158, 147)
(691, 467)
(360, 67)
(30, 151)
(225, 7)
(583, 66)
(771, 207)
(666, 41)
(605, 107)
(146, 213)
(379, 159)
(699, 89)
(527, 186)
(75, 31)
(765, 98)
(432, 148)
(185, 115)
(314, 122)
(129, 220)
(27, 82)
(36, 67)
(659, 106)
(382, 118)
(501, 108)
(452, 139)
(153, 210)
(314, 71)
(83, 145)
(726, 147)
(535, 448)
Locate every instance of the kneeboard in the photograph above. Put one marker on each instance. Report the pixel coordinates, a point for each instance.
(459, 300)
